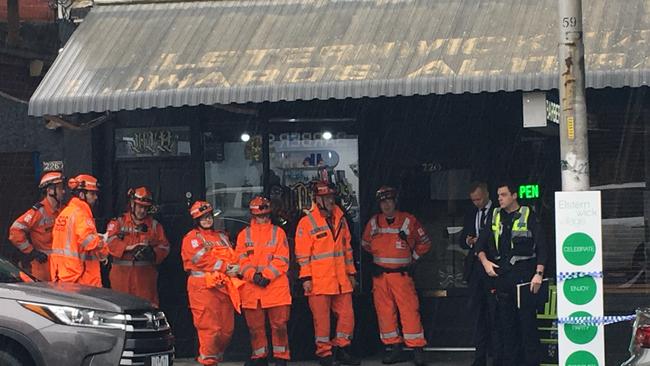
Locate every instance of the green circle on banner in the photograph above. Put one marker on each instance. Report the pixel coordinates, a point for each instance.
(579, 249)
(581, 358)
(580, 333)
(581, 290)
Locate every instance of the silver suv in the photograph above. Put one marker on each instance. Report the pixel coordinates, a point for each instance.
(640, 342)
(43, 324)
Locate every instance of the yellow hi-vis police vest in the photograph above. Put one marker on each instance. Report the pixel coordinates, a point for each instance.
(519, 230)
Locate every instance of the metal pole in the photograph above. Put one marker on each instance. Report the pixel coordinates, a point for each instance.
(574, 150)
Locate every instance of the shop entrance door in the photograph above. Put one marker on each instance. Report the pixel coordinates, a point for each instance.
(169, 180)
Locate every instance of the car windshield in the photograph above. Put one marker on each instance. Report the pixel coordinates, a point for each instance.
(12, 274)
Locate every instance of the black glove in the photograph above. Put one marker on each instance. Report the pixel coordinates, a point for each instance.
(260, 280)
(38, 255)
(145, 253)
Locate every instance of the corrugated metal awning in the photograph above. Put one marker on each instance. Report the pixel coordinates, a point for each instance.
(156, 55)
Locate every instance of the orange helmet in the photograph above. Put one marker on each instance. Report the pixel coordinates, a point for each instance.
(323, 189)
(200, 208)
(386, 193)
(84, 182)
(141, 196)
(48, 178)
(260, 206)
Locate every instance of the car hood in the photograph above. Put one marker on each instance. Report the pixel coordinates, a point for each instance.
(70, 294)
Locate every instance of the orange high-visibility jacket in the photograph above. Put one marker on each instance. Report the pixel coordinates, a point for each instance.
(132, 236)
(33, 229)
(77, 248)
(206, 255)
(324, 254)
(390, 249)
(263, 248)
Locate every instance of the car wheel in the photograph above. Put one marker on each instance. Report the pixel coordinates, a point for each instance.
(8, 358)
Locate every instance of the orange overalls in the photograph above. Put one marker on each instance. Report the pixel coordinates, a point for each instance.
(138, 278)
(213, 296)
(77, 248)
(325, 256)
(393, 247)
(263, 248)
(33, 230)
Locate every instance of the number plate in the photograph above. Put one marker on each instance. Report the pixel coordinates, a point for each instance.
(159, 360)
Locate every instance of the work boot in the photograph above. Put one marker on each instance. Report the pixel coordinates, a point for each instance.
(344, 357)
(257, 362)
(328, 361)
(394, 355)
(418, 356)
(280, 362)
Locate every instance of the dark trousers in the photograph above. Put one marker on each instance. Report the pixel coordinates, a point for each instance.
(483, 304)
(517, 327)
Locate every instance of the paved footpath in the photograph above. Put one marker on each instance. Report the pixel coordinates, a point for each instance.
(433, 359)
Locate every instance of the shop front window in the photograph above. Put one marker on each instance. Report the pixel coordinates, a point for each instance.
(298, 158)
(233, 176)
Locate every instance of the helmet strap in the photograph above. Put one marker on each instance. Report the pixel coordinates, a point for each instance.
(52, 195)
(133, 215)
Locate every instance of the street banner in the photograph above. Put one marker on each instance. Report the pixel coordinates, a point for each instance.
(580, 283)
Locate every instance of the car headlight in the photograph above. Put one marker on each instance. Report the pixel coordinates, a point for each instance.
(75, 316)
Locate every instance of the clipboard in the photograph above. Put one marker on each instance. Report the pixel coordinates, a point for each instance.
(525, 297)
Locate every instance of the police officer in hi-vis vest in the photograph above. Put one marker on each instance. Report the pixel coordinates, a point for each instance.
(512, 250)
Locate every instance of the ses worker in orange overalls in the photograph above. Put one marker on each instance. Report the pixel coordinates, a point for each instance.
(212, 285)
(396, 240)
(31, 233)
(327, 270)
(264, 261)
(77, 248)
(137, 243)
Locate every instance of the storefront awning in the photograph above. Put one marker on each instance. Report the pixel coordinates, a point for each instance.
(155, 55)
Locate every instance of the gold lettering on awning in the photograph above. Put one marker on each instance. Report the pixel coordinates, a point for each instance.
(301, 56)
(258, 76)
(215, 78)
(216, 59)
(304, 74)
(437, 67)
(337, 52)
(358, 72)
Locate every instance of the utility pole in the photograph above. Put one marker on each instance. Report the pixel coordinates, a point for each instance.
(574, 151)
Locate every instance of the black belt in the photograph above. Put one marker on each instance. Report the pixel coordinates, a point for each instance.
(394, 270)
(378, 270)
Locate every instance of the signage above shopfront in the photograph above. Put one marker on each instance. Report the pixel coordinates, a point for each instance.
(540, 109)
(152, 142)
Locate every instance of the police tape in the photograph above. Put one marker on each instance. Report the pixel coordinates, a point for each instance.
(595, 320)
(563, 276)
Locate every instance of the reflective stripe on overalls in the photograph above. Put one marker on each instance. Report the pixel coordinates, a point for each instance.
(315, 229)
(519, 230)
(250, 244)
(380, 230)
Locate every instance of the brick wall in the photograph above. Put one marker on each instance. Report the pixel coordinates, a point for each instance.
(30, 10)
